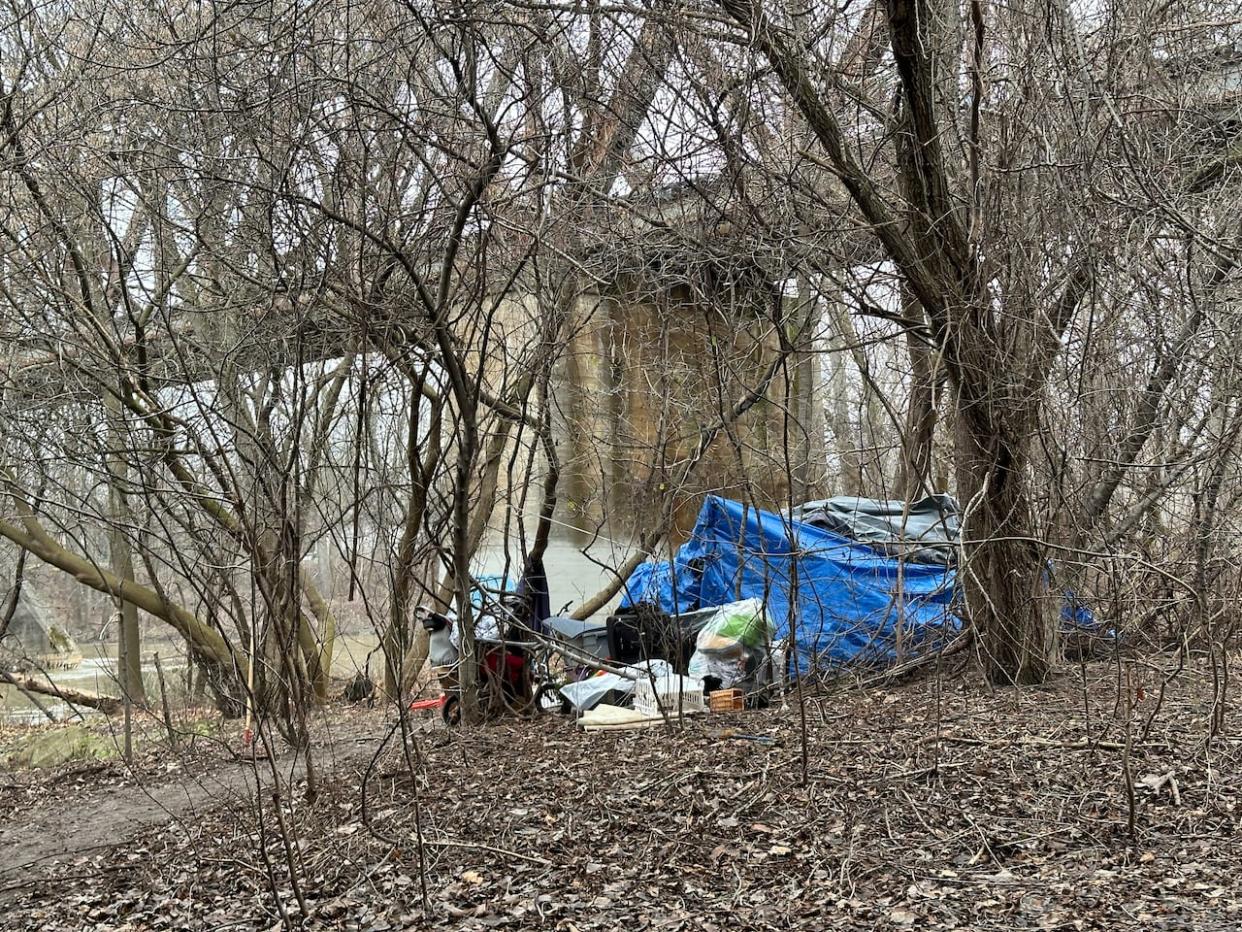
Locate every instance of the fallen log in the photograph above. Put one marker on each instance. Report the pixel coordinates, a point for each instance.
(108, 705)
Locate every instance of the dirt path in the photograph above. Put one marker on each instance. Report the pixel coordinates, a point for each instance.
(111, 816)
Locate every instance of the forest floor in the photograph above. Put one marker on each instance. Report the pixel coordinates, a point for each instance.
(938, 803)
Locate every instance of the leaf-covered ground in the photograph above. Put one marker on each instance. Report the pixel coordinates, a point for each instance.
(936, 804)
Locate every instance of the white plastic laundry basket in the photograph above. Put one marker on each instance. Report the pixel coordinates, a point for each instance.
(673, 694)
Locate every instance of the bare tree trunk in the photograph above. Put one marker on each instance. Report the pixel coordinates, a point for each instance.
(808, 423)
(129, 642)
(1008, 601)
(999, 358)
(921, 409)
(109, 705)
(1206, 516)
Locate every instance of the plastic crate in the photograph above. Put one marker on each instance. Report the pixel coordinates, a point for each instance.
(726, 700)
(672, 694)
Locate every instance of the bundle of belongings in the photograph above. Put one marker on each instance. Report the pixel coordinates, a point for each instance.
(833, 584)
(733, 649)
(726, 647)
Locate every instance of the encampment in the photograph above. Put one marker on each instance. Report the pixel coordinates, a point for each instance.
(838, 600)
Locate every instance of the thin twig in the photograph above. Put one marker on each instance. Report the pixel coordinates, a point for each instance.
(473, 846)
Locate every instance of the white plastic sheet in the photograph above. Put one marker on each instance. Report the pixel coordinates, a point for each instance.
(588, 693)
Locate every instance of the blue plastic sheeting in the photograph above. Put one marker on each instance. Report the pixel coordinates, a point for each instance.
(493, 585)
(843, 600)
(1076, 616)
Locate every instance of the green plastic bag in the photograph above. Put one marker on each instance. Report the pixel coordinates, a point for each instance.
(742, 624)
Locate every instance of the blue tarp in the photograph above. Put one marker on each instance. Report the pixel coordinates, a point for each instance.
(491, 586)
(849, 596)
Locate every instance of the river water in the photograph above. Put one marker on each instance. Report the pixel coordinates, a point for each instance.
(572, 576)
(97, 673)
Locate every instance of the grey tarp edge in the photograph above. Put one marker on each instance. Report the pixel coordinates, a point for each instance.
(925, 531)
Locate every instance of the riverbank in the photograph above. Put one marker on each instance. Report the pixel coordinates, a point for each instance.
(97, 674)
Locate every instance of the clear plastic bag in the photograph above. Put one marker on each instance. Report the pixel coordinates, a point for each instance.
(732, 646)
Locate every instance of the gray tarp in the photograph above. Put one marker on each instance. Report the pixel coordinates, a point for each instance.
(924, 531)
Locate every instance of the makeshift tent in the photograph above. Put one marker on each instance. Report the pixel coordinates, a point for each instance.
(840, 601)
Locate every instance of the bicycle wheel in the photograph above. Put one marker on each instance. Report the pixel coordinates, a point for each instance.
(548, 698)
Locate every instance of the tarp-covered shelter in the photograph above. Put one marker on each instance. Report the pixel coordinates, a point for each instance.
(839, 600)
